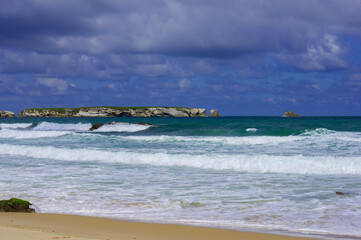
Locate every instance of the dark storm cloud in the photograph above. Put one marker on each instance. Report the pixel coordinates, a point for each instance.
(90, 33)
(191, 28)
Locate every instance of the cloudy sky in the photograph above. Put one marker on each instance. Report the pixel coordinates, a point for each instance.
(242, 57)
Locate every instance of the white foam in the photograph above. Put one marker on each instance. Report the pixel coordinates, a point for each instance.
(84, 127)
(318, 132)
(16, 134)
(14, 125)
(122, 127)
(296, 164)
(49, 126)
(251, 130)
(244, 140)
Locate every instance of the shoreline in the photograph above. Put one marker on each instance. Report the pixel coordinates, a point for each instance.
(63, 226)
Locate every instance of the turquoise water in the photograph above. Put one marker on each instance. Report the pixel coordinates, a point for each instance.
(267, 173)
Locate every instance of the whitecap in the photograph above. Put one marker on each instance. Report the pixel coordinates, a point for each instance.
(295, 164)
(50, 126)
(16, 134)
(122, 127)
(14, 125)
(251, 130)
(244, 140)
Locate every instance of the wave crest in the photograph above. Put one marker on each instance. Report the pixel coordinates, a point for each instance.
(49, 126)
(122, 127)
(16, 134)
(251, 130)
(295, 164)
(14, 125)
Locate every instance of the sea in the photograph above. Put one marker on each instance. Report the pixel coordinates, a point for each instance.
(267, 174)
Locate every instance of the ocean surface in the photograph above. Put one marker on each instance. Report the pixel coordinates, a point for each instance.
(266, 173)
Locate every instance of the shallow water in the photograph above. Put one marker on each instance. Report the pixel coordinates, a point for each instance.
(235, 172)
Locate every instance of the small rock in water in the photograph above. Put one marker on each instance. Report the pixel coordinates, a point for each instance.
(340, 193)
(290, 114)
(214, 113)
(15, 205)
(145, 123)
(96, 126)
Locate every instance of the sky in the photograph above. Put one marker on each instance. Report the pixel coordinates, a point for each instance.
(242, 57)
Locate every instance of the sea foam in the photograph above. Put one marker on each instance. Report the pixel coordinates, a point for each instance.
(122, 127)
(16, 134)
(251, 130)
(49, 126)
(84, 127)
(14, 125)
(297, 164)
(244, 140)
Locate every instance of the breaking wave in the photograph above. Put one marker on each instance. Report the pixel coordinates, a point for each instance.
(296, 164)
(49, 126)
(84, 127)
(14, 125)
(250, 140)
(16, 134)
(251, 130)
(122, 127)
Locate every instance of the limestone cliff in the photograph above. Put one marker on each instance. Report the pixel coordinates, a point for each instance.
(290, 114)
(6, 114)
(114, 112)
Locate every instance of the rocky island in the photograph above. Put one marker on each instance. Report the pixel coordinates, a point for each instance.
(214, 113)
(114, 112)
(6, 114)
(290, 114)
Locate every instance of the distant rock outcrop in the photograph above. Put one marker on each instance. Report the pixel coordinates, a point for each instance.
(290, 114)
(7, 114)
(115, 112)
(15, 205)
(214, 113)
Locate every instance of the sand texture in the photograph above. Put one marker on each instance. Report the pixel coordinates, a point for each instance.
(25, 226)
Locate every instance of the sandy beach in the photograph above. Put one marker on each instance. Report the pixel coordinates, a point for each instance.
(58, 226)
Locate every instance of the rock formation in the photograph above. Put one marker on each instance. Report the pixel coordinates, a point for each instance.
(290, 114)
(214, 113)
(6, 114)
(96, 126)
(15, 205)
(115, 112)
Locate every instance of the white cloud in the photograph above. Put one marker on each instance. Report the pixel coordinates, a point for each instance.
(271, 100)
(325, 53)
(184, 84)
(111, 86)
(315, 86)
(57, 83)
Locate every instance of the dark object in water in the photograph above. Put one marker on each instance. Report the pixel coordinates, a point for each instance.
(15, 205)
(145, 123)
(96, 126)
(290, 114)
(340, 193)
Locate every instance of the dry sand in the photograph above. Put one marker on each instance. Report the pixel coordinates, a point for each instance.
(39, 226)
